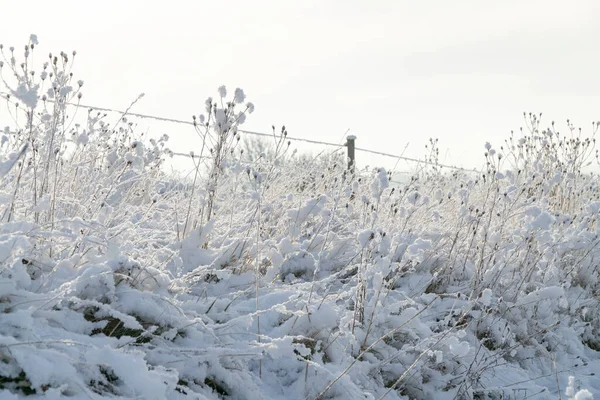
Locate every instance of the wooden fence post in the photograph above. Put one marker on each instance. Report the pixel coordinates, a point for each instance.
(351, 155)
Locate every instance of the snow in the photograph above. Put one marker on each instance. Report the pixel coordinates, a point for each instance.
(239, 96)
(573, 394)
(116, 281)
(28, 95)
(542, 221)
(583, 394)
(458, 348)
(365, 236)
(486, 297)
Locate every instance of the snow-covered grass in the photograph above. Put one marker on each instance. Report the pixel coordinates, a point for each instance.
(285, 277)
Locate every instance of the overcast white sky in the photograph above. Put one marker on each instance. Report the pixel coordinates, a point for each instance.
(393, 72)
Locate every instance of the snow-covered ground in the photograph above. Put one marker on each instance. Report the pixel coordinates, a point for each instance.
(286, 278)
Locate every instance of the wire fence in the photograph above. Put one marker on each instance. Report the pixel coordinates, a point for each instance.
(262, 134)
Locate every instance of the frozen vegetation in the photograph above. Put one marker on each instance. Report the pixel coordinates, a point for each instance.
(285, 277)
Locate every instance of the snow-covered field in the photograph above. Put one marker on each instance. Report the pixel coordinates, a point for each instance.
(285, 278)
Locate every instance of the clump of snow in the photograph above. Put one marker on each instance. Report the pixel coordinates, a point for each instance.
(299, 265)
(486, 297)
(583, 394)
(28, 95)
(458, 348)
(573, 394)
(239, 96)
(542, 221)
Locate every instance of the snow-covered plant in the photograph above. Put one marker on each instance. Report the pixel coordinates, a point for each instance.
(283, 275)
(218, 129)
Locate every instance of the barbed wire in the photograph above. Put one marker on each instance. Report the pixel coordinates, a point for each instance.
(178, 121)
(414, 160)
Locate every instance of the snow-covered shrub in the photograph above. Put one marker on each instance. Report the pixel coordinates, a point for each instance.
(284, 275)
